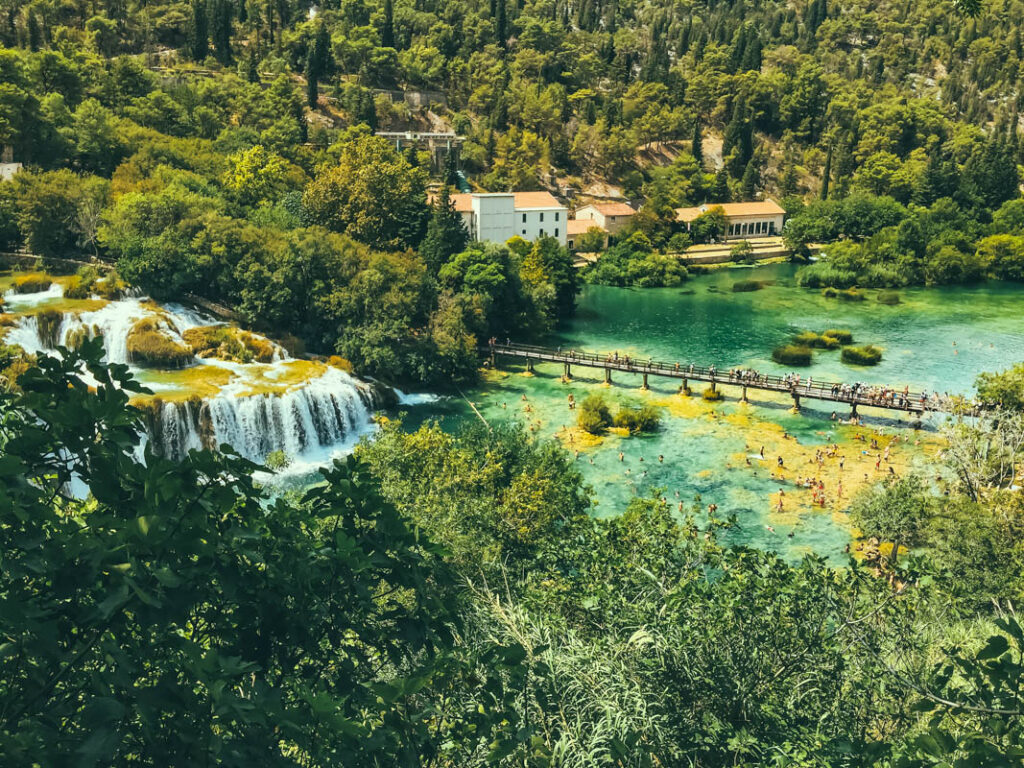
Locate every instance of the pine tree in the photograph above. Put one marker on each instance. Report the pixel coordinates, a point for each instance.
(446, 233)
(826, 174)
(451, 168)
(387, 29)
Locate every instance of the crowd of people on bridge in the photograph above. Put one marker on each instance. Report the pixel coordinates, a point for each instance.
(855, 393)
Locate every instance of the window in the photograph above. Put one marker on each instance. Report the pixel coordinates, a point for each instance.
(542, 215)
(556, 229)
(524, 221)
(556, 218)
(542, 233)
(524, 231)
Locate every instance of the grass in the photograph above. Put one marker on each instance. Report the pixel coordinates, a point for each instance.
(792, 354)
(32, 283)
(867, 355)
(889, 298)
(224, 342)
(150, 346)
(746, 286)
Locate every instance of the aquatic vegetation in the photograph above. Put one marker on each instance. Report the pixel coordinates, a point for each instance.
(889, 298)
(594, 416)
(150, 345)
(225, 342)
(851, 294)
(643, 419)
(866, 355)
(792, 354)
(816, 340)
(841, 335)
(746, 286)
(712, 395)
(35, 282)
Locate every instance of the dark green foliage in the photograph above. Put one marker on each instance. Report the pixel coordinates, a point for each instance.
(642, 419)
(890, 298)
(791, 354)
(198, 618)
(446, 233)
(594, 416)
(746, 286)
(867, 355)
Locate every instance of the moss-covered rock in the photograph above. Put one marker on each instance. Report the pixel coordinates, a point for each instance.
(867, 355)
(792, 354)
(150, 346)
(32, 283)
(225, 342)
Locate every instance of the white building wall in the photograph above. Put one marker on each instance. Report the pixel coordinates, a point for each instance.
(532, 223)
(494, 216)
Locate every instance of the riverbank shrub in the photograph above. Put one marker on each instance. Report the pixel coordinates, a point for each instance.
(792, 354)
(747, 286)
(277, 460)
(594, 416)
(866, 355)
(33, 283)
(633, 263)
(642, 419)
(89, 282)
(712, 395)
(151, 347)
(889, 298)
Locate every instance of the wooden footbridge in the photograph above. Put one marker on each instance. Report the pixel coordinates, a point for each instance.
(889, 398)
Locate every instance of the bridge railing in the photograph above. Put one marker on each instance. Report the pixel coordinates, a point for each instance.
(824, 390)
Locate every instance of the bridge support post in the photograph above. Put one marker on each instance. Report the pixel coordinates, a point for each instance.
(568, 371)
(714, 386)
(796, 402)
(685, 389)
(743, 397)
(853, 411)
(529, 365)
(645, 382)
(607, 375)
(493, 359)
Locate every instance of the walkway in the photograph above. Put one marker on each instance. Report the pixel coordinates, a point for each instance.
(889, 398)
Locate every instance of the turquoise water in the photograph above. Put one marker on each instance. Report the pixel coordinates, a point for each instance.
(705, 447)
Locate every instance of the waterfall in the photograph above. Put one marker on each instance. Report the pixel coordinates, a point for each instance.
(310, 420)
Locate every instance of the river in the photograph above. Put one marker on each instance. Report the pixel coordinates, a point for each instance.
(705, 448)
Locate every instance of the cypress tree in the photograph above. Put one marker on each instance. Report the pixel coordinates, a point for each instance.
(751, 178)
(387, 30)
(446, 233)
(697, 146)
(501, 23)
(222, 15)
(826, 174)
(34, 37)
(252, 72)
(199, 34)
(720, 192)
(312, 90)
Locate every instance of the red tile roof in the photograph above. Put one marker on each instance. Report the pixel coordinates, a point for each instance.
(757, 208)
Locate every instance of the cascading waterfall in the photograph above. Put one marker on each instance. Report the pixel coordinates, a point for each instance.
(310, 419)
